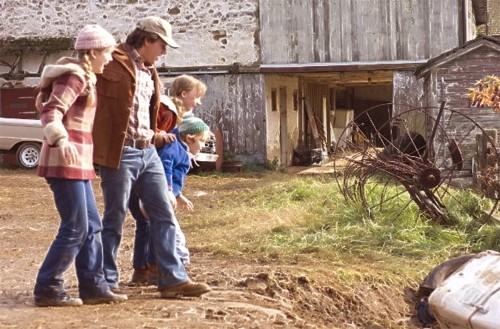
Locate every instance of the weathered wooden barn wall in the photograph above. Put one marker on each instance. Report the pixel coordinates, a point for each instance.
(235, 104)
(407, 92)
(312, 31)
(455, 77)
(453, 81)
(449, 78)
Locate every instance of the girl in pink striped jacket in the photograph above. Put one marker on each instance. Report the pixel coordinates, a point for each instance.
(67, 104)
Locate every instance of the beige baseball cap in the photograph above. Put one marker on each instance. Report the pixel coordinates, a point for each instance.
(159, 26)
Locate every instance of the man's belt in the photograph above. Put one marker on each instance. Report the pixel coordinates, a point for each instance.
(137, 143)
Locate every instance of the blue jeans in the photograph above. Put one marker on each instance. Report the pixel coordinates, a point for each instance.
(142, 172)
(143, 249)
(78, 240)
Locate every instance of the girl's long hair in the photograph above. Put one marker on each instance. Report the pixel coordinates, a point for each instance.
(87, 68)
(42, 95)
(185, 83)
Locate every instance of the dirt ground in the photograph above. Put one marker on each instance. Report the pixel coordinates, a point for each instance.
(244, 295)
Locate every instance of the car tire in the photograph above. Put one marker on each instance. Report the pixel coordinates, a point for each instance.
(28, 155)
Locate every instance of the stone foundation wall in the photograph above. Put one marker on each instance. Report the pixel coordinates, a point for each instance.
(219, 32)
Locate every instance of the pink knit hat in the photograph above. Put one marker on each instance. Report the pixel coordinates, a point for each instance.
(94, 36)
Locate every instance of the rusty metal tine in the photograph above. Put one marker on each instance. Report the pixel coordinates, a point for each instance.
(434, 129)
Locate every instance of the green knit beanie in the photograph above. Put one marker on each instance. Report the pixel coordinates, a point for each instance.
(192, 125)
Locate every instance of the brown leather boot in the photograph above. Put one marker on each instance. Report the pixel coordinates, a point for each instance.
(140, 277)
(152, 279)
(186, 289)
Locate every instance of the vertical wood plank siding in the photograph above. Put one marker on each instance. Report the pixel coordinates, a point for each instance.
(450, 82)
(234, 104)
(407, 92)
(299, 31)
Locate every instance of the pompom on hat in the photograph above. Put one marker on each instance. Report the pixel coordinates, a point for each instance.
(192, 125)
(93, 36)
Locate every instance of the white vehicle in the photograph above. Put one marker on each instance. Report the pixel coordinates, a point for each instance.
(22, 137)
(469, 298)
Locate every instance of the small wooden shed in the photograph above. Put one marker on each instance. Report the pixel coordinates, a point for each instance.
(448, 77)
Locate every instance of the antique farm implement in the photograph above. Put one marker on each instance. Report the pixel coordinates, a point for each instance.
(420, 156)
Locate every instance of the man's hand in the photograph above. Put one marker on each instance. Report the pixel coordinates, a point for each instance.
(169, 138)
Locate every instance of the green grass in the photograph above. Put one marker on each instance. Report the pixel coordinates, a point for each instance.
(274, 216)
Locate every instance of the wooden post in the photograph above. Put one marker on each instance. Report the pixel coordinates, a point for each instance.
(219, 148)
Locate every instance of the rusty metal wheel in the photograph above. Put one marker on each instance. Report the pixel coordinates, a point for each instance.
(437, 159)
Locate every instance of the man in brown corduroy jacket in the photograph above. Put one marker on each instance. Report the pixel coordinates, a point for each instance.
(124, 131)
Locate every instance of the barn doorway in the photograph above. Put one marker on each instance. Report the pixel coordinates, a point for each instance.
(329, 110)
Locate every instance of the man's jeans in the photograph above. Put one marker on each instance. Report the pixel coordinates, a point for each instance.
(78, 239)
(143, 247)
(142, 171)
